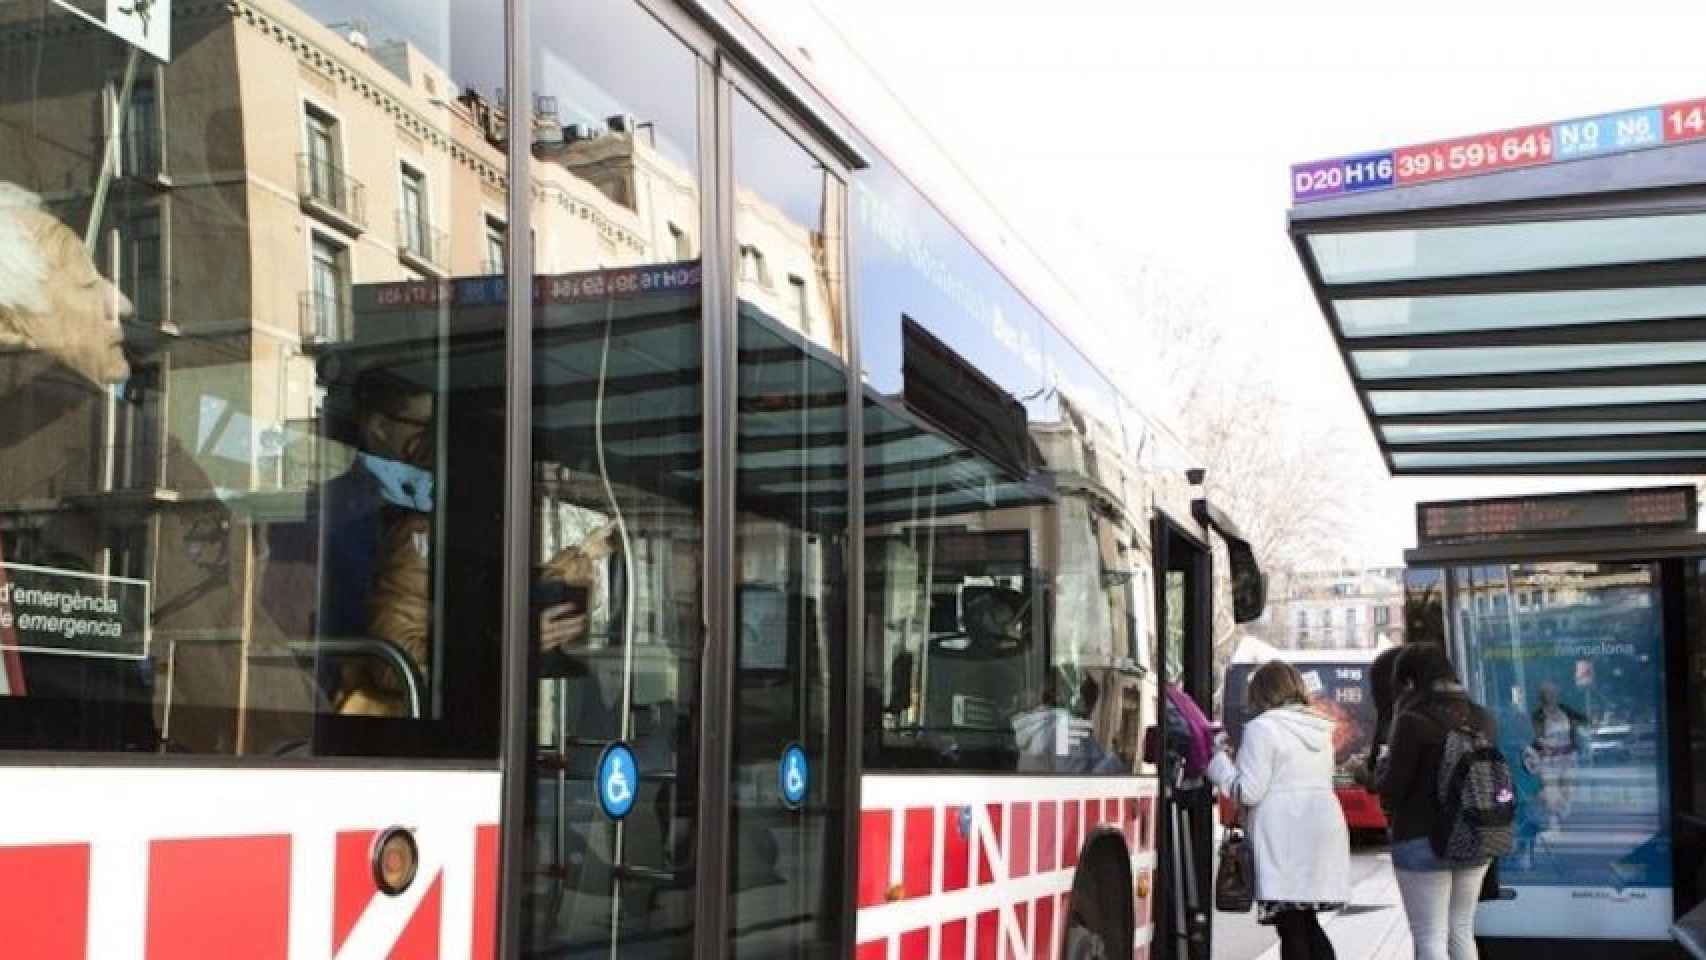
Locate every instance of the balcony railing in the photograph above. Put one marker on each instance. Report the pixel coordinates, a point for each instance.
(133, 467)
(419, 242)
(137, 154)
(324, 319)
(328, 190)
(147, 300)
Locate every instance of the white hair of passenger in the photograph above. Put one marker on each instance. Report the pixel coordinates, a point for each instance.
(23, 270)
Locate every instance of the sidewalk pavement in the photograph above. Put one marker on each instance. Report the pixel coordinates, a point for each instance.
(1372, 926)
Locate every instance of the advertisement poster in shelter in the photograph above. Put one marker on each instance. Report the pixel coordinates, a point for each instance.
(1569, 658)
(1339, 688)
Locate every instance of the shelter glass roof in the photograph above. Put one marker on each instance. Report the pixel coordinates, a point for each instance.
(1373, 256)
(1520, 321)
(1399, 316)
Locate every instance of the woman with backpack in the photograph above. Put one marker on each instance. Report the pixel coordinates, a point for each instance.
(1283, 778)
(1443, 774)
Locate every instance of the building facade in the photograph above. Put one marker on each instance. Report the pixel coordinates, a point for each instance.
(1336, 609)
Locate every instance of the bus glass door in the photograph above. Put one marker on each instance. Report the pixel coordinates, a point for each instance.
(790, 763)
(618, 462)
(684, 779)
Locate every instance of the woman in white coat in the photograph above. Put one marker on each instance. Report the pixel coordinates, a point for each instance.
(1283, 775)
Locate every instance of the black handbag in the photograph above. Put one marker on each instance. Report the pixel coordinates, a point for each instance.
(1235, 876)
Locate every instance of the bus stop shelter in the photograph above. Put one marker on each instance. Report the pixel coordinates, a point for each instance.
(1532, 302)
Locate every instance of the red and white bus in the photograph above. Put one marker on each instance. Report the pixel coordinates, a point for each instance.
(531, 478)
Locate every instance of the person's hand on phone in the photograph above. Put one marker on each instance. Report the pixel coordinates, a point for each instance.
(561, 626)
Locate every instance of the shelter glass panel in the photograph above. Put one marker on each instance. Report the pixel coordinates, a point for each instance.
(1570, 660)
(1372, 256)
(1472, 361)
(1471, 432)
(1462, 313)
(1516, 458)
(1400, 402)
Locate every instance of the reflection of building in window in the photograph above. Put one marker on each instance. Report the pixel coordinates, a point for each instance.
(412, 216)
(802, 303)
(321, 132)
(752, 266)
(134, 431)
(328, 292)
(139, 144)
(497, 246)
(253, 250)
(139, 266)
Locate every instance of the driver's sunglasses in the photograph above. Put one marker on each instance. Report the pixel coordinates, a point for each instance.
(425, 424)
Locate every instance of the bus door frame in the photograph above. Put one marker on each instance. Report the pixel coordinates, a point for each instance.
(1178, 548)
(730, 64)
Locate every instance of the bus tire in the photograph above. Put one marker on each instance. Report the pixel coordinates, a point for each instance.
(1082, 943)
(1099, 926)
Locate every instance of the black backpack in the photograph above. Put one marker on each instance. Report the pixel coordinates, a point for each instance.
(1477, 798)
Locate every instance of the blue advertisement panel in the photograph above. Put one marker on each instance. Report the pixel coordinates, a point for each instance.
(1569, 657)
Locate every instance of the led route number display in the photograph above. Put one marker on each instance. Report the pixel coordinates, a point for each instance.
(1469, 521)
(1504, 150)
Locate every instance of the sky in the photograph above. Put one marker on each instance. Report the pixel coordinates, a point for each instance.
(1109, 139)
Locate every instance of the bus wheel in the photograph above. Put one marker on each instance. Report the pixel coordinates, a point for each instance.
(1084, 942)
(1097, 926)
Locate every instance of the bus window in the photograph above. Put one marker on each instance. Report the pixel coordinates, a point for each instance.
(229, 359)
(1001, 574)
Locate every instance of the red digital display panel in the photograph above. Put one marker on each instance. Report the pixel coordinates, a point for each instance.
(1469, 521)
(1466, 156)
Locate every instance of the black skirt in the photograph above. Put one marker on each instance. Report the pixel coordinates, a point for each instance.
(1268, 911)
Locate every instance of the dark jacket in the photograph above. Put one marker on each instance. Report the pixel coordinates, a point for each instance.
(1383, 681)
(1410, 789)
(1578, 722)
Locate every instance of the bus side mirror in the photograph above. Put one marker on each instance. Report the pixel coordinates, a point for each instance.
(1249, 583)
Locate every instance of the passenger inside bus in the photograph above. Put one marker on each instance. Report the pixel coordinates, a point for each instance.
(374, 579)
(375, 574)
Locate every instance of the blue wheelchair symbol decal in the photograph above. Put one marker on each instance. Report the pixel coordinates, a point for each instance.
(618, 781)
(793, 776)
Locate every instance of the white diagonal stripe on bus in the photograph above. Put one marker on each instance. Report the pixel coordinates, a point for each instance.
(384, 918)
(118, 902)
(313, 859)
(889, 919)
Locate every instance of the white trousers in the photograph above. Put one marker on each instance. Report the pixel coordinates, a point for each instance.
(1440, 905)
